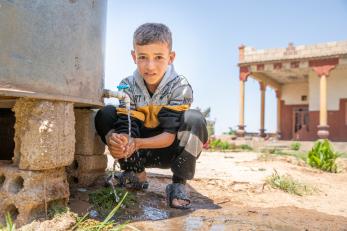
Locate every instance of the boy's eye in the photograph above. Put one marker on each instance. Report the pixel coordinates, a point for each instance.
(159, 57)
(141, 57)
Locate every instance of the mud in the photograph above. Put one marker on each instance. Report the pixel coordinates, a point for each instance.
(229, 193)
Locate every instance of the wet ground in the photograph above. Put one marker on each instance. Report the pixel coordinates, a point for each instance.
(229, 193)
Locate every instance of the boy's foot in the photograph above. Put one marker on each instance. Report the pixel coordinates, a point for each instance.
(130, 180)
(177, 196)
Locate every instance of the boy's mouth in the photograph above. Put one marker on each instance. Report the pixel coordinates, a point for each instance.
(150, 74)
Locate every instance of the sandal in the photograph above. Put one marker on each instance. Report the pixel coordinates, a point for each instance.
(177, 191)
(127, 179)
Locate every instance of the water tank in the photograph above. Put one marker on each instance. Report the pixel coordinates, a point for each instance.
(53, 50)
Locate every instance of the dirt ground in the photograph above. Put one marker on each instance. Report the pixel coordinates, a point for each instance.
(229, 193)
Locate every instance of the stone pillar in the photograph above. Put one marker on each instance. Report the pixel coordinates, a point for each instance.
(241, 130)
(244, 73)
(90, 161)
(322, 68)
(35, 179)
(262, 109)
(279, 121)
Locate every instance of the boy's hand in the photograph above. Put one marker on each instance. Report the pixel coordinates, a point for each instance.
(117, 145)
(131, 147)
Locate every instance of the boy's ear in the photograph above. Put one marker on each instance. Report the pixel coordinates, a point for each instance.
(133, 55)
(172, 57)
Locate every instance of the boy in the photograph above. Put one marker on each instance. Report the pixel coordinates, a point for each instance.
(165, 133)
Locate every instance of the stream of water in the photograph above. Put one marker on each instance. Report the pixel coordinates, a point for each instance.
(111, 181)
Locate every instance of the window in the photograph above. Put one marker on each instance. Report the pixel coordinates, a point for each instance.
(303, 97)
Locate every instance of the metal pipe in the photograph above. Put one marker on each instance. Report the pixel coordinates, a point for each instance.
(119, 95)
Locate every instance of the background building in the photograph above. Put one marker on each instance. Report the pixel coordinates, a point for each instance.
(310, 82)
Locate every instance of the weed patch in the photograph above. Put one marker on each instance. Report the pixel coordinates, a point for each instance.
(86, 224)
(103, 200)
(287, 184)
(295, 146)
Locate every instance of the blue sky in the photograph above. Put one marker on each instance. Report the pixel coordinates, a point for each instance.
(206, 36)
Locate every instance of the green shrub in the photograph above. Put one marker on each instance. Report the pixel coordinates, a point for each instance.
(295, 146)
(322, 156)
(245, 147)
(222, 145)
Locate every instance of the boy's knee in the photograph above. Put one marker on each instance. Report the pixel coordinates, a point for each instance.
(105, 114)
(194, 118)
(195, 123)
(106, 111)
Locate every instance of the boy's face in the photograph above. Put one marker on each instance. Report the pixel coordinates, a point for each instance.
(152, 61)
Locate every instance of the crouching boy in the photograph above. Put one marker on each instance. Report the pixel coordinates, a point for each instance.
(165, 132)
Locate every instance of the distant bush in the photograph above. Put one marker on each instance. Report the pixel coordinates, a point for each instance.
(245, 147)
(222, 145)
(295, 146)
(322, 156)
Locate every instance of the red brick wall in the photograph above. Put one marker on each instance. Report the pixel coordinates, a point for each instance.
(336, 121)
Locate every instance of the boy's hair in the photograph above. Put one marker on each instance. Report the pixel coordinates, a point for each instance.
(149, 33)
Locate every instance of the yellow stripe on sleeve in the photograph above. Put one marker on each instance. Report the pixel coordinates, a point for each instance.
(183, 107)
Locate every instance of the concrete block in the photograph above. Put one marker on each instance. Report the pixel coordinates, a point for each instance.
(85, 179)
(86, 169)
(25, 193)
(44, 134)
(88, 141)
(89, 163)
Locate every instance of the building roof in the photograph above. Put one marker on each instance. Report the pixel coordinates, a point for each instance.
(321, 50)
(277, 66)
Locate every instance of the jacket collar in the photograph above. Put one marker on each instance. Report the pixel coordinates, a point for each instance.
(169, 75)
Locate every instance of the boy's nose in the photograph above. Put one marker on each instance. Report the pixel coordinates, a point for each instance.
(150, 64)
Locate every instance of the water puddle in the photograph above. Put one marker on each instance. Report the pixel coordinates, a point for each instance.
(154, 214)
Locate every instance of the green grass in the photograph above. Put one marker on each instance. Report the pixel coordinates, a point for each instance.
(103, 199)
(219, 145)
(268, 153)
(86, 224)
(287, 184)
(9, 223)
(245, 147)
(295, 146)
(56, 209)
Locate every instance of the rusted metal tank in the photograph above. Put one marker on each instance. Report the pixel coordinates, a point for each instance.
(53, 50)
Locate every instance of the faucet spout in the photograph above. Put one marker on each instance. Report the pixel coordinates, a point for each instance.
(119, 95)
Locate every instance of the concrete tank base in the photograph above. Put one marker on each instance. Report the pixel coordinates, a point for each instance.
(54, 144)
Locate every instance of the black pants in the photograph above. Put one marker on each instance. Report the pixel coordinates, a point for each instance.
(181, 156)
